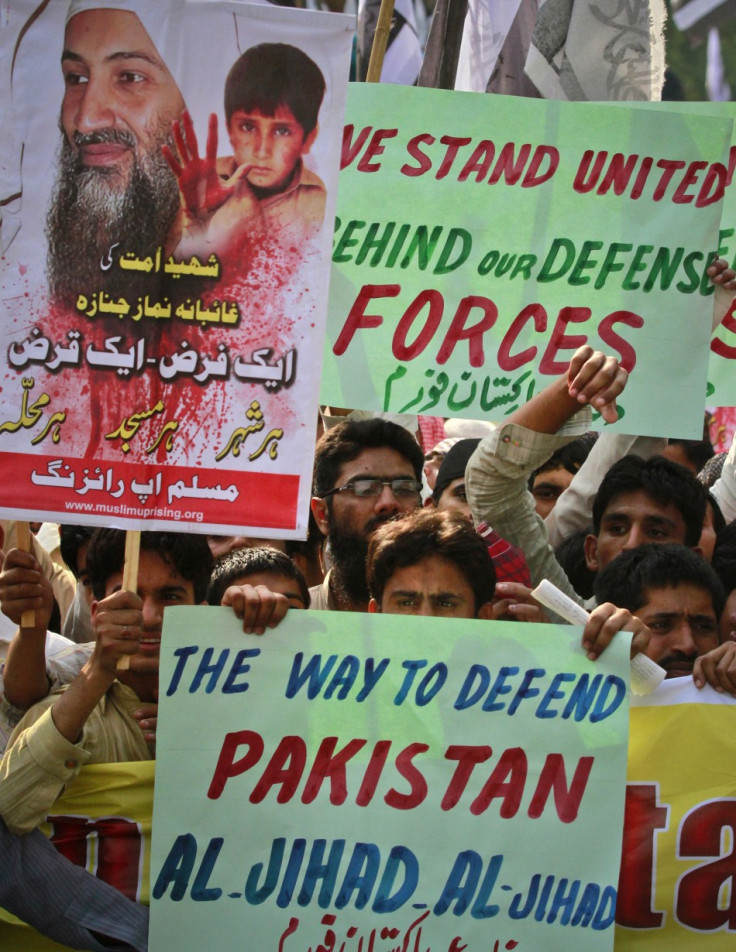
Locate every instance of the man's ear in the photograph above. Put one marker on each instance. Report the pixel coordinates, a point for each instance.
(309, 140)
(373, 607)
(698, 550)
(321, 514)
(486, 611)
(590, 548)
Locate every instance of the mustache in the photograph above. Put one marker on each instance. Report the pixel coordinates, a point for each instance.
(100, 136)
(677, 658)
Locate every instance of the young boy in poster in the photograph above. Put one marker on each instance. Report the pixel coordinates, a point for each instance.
(273, 94)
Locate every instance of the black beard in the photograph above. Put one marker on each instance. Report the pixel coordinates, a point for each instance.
(95, 208)
(349, 553)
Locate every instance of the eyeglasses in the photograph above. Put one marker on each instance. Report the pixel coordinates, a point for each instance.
(366, 486)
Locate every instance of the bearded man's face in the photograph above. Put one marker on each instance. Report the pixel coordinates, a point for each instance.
(114, 185)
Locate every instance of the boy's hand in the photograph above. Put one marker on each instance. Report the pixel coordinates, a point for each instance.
(147, 717)
(24, 587)
(724, 279)
(118, 624)
(605, 621)
(721, 274)
(514, 602)
(594, 378)
(717, 668)
(257, 606)
(202, 190)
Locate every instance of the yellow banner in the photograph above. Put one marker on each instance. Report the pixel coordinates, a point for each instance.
(676, 891)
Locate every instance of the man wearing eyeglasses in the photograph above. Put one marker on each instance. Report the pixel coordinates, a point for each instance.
(366, 472)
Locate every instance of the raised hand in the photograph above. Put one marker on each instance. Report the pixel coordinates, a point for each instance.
(596, 379)
(201, 188)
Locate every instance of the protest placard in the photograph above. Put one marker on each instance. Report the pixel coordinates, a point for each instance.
(163, 300)
(676, 888)
(371, 782)
(721, 391)
(481, 239)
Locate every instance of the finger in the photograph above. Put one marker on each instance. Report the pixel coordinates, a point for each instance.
(581, 355)
(597, 376)
(704, 672)
(641, 637)
(593, 628)
(171, 161)
(726, 672)
(190, 136)
(181, 148)
(212, 138)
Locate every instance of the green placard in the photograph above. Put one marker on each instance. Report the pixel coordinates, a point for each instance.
(481, 239)
(367, 782)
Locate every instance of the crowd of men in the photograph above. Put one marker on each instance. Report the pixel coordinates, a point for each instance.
(656, 544)
(618, 523)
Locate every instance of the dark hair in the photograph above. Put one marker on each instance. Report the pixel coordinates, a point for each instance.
(422, 534)
(188, 553)
(249, 561)
(71, 540)
(724, 557)
(664, 481)
(453, 466)
(276, 74)
(628, 578)
(698, 452)
(571, 456)
(345, 442)
(570, 554)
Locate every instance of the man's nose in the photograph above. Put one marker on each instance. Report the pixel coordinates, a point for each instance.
(386, 501)
(152, 615)
(634, 539)
(94, 109)
(683, 640)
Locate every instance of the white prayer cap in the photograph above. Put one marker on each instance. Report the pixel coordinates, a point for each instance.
(153, 15)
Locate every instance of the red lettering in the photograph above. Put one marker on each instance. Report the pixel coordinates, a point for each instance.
(412, 147)
(561, 341)
(375, 148)
(467, 757)
(690, 177)
(399, 346)
(642, 818)
(357, 318)
(228, 767)
(453, 143)
(669, 167)
(507, 780)
(610, 337)
(119, 848)
(349, 148)
(729, 322)
(473, 334)
(373, 772)
(552, 778)
(285, 768)
(507, 360)
(700, 890)
(327, 763)
(417, 783)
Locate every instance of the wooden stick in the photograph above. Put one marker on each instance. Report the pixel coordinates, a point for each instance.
(23, 530)
(442, 51)
(130, 577)
(380, 41)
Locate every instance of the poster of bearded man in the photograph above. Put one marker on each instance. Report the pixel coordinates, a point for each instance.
(166, 233)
